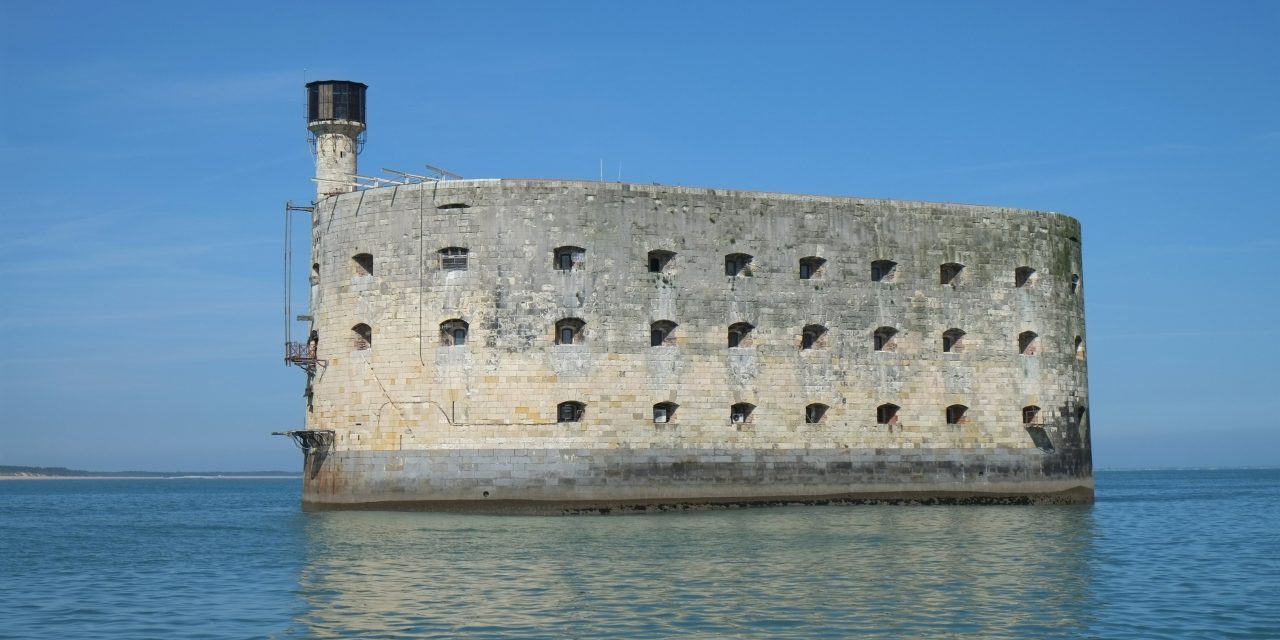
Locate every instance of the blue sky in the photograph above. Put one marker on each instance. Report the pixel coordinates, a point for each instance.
(149, 148)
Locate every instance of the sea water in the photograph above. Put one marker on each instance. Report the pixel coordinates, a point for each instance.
(1163, 554)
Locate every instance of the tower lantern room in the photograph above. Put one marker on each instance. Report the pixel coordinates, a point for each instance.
(336, 120)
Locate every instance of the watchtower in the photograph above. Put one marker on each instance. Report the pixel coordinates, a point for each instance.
(336, 122)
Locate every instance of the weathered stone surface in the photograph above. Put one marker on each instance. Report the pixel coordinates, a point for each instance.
(420, 421)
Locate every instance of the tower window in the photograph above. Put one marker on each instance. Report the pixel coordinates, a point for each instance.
(664, 412)
(740, 335)
(363, 264)
(1031, 415)
(453, 333)
(956, 414)
(883, 270)
(741, 413)
(813, 336)
(569, 258)
(1079, 348)
(949, 272)
(814, 413)
(570, 411)
(658, 260)
(887, 414)
(453, 259)
(362, 337)
(315, 273)
(885, 339)
(662, 334)
(1080, 412)
(952, 341)
(737, 264)
(569, 331)
(811, 267)
(1075, 282)
(1024, 277)
(454, 205)
(1027, 343)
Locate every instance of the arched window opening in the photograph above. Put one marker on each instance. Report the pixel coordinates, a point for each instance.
(1080, 414)
(453, 259)
(453, 333)
(315, 273)
(363, 264)
(883, 270)
(569, 258)
(885, 339)
(1031, 415)
(740, 335)
(741, 413)
(737, 264)
(813, 336)
(952, 341)
(811, 267)
(956, 414)
(1027, 343)
(1024, 277)
(664, 412)
(569, 331)
(1079, 348)
(1075, 282)
(362, 337)
(659, 260)
(454, 205)
(949, 272)
(815, 413)
(662, 334)
(570, 411)
(887, 414)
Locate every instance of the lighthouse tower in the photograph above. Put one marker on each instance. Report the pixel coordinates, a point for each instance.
(335, 118)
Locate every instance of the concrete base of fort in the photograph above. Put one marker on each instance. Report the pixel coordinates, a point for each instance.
(565, 481)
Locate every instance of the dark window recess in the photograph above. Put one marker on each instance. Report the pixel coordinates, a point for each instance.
(658, 260)
(737, 264)
(662, 334)
(570, 411)
(1080, 413)
(885, 339)
(664, 412)
(811, 267)
(1031, 415)
(315, 273)
(454, 205)
(363, 264)
(952, 341)
(1027, 343)
(887, 414)
(362, 336)
(453, 259)
(1023, 276)
(1040, 438)
(569, 331)
(1079, 348)
(814, 413)
(813, 337)
(569, 258)
(883, 270)
(740, 335)
(955, 414)
(741, 413)
(949, 272)
(453, 333)
(1075, 282)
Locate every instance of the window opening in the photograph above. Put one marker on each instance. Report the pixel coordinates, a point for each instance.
(814, 413)
(740, 335)
(569, 258)
(569, 331)
(737, 264)
(887, 414)
(956, 414)
(1023, 276)
(1031, 415)
(1079, 348)
(811, 267)
(1027, 343)
(952, 341)
(570, 411)
(453, 333)
(949, 272)
(363, 264)
(315, 273)
(813, 337)
(885, 339)
(741, 413)
(658, 260)
(453, 259)
(362, 336)
(664, 412)
(454, 205)
(883, 270)
(1075, 282)
(662, 334)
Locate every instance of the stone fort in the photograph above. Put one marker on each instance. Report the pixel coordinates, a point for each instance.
(558, 345)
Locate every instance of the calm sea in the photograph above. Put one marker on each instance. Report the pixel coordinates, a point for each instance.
(1185, 554)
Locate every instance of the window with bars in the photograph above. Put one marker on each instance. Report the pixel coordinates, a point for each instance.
(453, 259)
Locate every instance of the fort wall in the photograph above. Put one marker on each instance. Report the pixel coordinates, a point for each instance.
(996, 410)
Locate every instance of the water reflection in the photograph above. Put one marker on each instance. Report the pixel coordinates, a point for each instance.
(790, 572)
